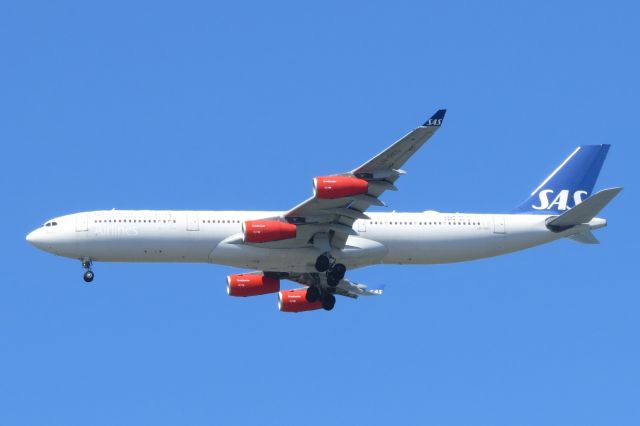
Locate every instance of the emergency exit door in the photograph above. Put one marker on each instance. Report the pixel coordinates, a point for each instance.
(82, 222)
(498, 224)
(192, 221)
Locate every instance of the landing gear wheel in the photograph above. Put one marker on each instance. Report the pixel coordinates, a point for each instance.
(332, 279)
(339, 270)
(323, 263)
(313, 294)
(328, 301)
(88, 273)
(336, 274)
(88, 276)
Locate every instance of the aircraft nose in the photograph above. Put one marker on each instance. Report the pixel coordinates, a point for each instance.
(35, 238)
(46, 239)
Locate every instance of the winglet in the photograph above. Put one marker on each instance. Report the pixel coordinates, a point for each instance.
(436, 119)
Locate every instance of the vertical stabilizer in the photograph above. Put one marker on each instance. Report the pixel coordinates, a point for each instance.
(569, 184)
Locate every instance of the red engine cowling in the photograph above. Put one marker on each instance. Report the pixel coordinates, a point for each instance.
(264, 231)
(244, 285)
(330, 187)
(296, 301)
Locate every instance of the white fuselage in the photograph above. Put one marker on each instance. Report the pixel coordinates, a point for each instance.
(215, 237)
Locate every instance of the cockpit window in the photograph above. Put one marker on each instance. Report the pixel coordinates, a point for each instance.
(54, 223)
(48, 224)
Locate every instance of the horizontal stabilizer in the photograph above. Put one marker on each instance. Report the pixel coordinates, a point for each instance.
(586, 237)
(585, 211)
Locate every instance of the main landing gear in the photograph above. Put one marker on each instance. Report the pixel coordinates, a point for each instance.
(313, 294)
(88, 273)
(328, 301)
(335, 271)
(326, 297)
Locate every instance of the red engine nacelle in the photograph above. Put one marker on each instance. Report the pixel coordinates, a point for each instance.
(244, 285)
(296, 301)
(330, 187)
(264, 231)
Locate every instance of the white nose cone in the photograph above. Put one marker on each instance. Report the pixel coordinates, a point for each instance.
(31, 237)
(36, 238)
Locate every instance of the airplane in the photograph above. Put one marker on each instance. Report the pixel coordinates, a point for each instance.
(316, 242)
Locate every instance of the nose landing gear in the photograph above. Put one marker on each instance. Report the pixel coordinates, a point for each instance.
(88, 273)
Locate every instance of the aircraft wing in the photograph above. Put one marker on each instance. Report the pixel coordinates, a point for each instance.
(344, 288)
(335, 216)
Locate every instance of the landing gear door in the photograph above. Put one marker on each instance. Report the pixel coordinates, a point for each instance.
(82, 222)
(192, 221)
(498, 224)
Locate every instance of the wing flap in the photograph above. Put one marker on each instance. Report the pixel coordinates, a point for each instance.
(345, 287)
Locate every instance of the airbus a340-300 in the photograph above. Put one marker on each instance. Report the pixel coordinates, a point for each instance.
(316, 242)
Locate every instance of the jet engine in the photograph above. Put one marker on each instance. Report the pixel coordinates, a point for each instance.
(330, 187)
(296, 301)
(264, 231)
(244, 285)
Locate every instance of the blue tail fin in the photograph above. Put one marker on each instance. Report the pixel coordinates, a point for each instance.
(569, 184)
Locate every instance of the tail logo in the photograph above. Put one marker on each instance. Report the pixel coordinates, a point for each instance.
(561, 200)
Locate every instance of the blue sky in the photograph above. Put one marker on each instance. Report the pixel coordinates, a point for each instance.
(197, 105)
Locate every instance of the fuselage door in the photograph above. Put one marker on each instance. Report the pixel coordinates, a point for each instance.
(362, 225)
(82, 222)
(498, 224)
(192, 221)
